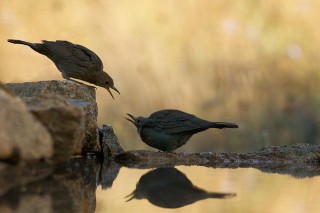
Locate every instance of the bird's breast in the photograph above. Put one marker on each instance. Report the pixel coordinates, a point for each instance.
(162, 141)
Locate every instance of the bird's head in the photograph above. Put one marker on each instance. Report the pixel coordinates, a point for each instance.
(137, 121)
(106, 82)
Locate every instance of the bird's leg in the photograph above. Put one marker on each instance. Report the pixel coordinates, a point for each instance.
(93, 87)
(168, 151)
(64, 76)
(69, 79)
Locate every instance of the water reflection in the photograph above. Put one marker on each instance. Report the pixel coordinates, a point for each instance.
(170, 188)
(72, 187)
(108, 173)
(304, 170)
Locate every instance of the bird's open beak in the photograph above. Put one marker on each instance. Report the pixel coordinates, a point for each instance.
(115, 89)
(109, 92)
(130, 196)
(133, 119)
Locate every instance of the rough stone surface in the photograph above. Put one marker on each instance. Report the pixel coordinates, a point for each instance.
(22, 136)
(276, 155)
(78, 94)
(109, 142)
(65, 122)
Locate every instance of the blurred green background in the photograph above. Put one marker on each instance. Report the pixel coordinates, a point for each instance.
(254, 63)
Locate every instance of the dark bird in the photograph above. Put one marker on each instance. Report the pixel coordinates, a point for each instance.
(169, 129)
(73, 61)
(170, 188)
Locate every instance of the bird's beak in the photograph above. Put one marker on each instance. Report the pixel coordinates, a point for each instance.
(133, 119)
(108, 88)
(115, 89)
(109, 92)
(130, 196)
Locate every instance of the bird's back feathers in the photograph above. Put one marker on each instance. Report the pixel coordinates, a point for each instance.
(74, 53)
(174, 122)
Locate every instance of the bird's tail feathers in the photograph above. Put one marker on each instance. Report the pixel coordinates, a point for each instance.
(14, 41)
(221, 125)
(222, 195)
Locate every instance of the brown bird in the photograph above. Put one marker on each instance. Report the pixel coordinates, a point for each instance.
(169, 129)
(73, 61)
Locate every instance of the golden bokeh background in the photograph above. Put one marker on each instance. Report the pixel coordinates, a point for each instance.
(255, 63)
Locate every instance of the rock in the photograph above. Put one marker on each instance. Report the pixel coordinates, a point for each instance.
(65, 122)
(22, 173)
(22, 136)
(275, 155)
(109, 142)
(77, 94)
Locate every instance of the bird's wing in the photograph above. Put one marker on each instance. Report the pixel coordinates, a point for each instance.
(74, 53)
(175, 121)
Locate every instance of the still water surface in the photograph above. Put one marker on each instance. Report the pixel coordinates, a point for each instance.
(254, 191)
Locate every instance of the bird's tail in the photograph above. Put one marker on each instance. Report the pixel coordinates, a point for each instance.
(221, 195)
(221, 125)
(21, 42)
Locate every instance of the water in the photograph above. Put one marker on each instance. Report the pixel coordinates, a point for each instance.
(255, 192)
(90, 185)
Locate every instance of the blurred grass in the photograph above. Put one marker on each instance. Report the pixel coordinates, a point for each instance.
(251, 62)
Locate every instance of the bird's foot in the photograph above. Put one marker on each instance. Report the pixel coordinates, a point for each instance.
(93, 87)
(168, 151)
(78, 82)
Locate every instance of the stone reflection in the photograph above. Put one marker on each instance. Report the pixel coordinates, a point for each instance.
(170, 188)
(70, 188)
(108, 173)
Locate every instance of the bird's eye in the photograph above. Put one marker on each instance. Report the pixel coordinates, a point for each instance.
(138, 121)
(107, 82)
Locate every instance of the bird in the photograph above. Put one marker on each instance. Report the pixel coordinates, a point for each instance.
(169, 129)
(73, 61)
(170, 188)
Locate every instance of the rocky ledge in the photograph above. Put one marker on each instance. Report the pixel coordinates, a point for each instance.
(273, 155)
(37, 96)
(58, 119)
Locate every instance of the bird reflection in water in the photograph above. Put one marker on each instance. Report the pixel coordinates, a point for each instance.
(170, 188)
